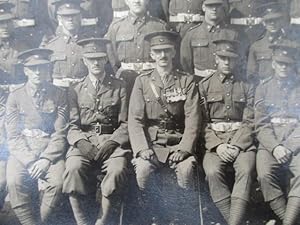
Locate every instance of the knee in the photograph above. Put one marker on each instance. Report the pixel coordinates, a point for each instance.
(212, 171)
(246, 170)
(186, 167)
(118, 168)
(143, 169)
(74, 165)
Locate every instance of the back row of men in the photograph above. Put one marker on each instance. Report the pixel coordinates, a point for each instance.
(170, 111)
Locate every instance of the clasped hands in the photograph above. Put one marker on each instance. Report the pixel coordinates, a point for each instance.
(228, 153)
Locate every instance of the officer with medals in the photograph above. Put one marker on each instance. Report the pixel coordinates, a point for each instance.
(277, 111)
(36, 125)
(99, 139)
(228, 132)
(164, 118)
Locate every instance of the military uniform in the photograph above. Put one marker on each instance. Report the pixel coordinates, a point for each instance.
(183, 14)
(164, 117)
(129, 50)
(243, 15)
(98, 115)
(36, 122)
(259, 58)
(8, 76)
(68, 66)
(277, 124)
(120, 9)
(228, 100)
(32, 21)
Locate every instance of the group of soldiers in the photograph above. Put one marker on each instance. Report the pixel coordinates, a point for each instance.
(93, 92)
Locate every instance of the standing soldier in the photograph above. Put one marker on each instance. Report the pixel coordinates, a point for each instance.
(196, 53)
(8, 54)
(98, 137)
(120, 9)
(36, 118)
(277, 113)
(130, 50)
(68, 66)
(243, 14)
(183, 14)
(96, 15)
(163, 123)
(228, 132)
(259, 59)
(31, 20)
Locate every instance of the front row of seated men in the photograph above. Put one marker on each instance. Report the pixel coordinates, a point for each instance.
(168, 114)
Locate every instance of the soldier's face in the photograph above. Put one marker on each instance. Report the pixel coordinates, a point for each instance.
(273, 25)
(163, 57)
(214, 12)
(37, 74)
(137, 6)
(6, 28)
(282, 69)
(225, 64)
(95, 66)
(70, 22)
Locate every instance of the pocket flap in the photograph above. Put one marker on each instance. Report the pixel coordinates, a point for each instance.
(215, 98)
(124, 37)
(58, 57)
(263, 56)
(200, 43)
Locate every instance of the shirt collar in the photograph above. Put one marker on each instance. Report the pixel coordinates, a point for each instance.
(211, 28)
(134, 19)
(94, 79)
(33, 90)
(223, 77)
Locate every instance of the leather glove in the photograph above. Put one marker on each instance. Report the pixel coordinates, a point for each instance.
(87, 149)
(106, 150)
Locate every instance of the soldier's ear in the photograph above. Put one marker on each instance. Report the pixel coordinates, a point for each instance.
(273, 64)
(152, 55)
(203, 7)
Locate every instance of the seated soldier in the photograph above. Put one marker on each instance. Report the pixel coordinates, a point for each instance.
(163, 122)
(36, 118)
(228, 100)
(97, 135)
(277, 111)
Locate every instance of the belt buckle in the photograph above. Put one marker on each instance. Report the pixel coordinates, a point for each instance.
(138, 66)
(188, 18)
(250, 21)
(98, 129)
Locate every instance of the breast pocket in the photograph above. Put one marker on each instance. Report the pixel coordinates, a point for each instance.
(263, 60)
(272, 107)
(124, 44)
(200, 50)
(87, 110)
(239, 106)
(60, 62)
(152, 108)
(215, 104)
(177, 5)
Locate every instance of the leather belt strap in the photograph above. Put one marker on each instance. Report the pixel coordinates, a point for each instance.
(24, 23)
(246, 21)
(120, 14)
(137, 66)
(225, 126)
(99, 128)
(89, 21)
(278, 120)
(186, 18)
(36, 133)
(203, 73)
(65, 82)
(295, 20)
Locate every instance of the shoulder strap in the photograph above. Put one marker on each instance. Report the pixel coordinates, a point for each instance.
(160, 101)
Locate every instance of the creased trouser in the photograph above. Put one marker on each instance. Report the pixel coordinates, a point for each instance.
(80, 175)
(184, 172)
(273, 177)
(21, 186)
(215, 170)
